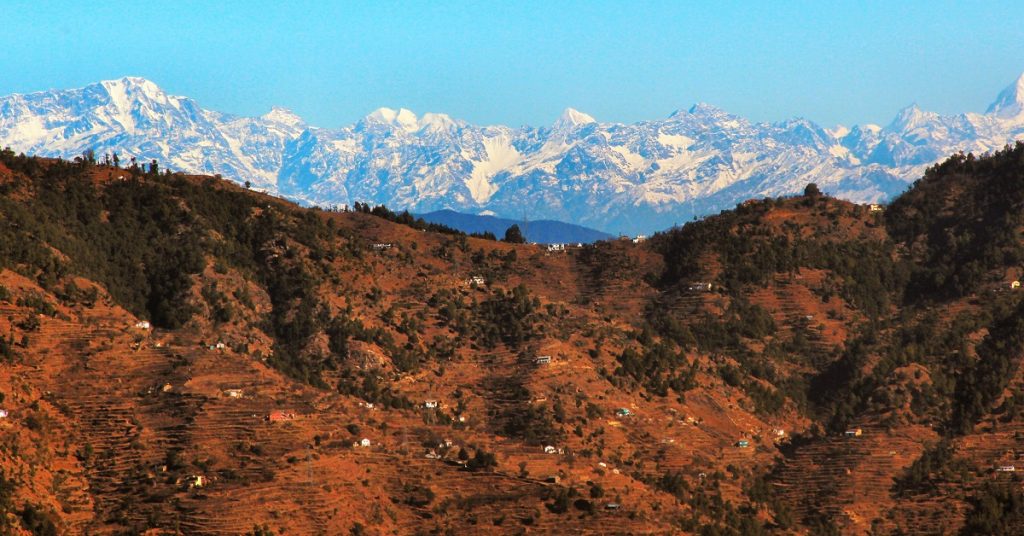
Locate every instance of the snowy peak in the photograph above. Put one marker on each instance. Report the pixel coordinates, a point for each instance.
(571, 119)
(703, 108)
(401, 118)
(134, 117)
(1010, 102)
(438, 123)
(283, 116)
(134, 85)
(703, 114)
(133, 92)
(406, 120)
(911, 117)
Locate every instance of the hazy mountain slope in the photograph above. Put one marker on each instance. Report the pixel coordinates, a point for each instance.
(539, 231)
(615, 177)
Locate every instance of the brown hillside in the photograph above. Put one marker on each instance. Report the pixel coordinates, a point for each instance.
(339, 372)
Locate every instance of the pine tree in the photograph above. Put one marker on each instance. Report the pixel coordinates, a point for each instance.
(514, 236)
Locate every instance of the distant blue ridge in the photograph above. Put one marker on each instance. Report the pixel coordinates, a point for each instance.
(540, 231)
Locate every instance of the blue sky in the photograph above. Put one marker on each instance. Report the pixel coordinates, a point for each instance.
(523, 62)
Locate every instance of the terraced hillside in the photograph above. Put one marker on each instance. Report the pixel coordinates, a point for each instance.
(183, 356)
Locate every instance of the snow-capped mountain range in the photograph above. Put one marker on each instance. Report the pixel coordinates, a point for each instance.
(633, 178)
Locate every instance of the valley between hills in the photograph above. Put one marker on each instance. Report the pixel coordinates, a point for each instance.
(181, 355)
